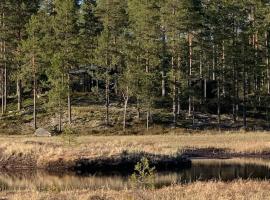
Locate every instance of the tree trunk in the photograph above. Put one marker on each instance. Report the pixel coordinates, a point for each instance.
(234, 74)
(19, 94)
(267, 62)
(218, 107)
(126, 98)
(138, 109)
(190, 73)
(244, 93)
(34, 92)
(69, 102)
(5, 79)
(107, 99)
(214, 63)
(223, 70)
(147, 118)
(163, 84)
(60, 113)
(174, 94)
(60, 105)
(2, 90)
(178, 86)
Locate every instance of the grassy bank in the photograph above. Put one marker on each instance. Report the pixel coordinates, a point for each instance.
(251, 190)
(54, 151)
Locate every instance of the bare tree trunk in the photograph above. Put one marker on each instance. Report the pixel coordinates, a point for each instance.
(234, 74)
(163, 84)
(107, 99)
(69, 102)
(223, 69)
(205, 89)
(60, 105)
(214, 63)
(34, 92)
(218, 107)
(2, 91)
(147, 118)
(244, 92)
(138, 109)
(190, 73)
(267, 62)
(19, 93)
(174, 94)
(60, 113)
(126, 98)
(5, 79)
(178, 86)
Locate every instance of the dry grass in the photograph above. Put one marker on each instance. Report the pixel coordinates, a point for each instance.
(44, 149)
(50, 149)
(251, 190)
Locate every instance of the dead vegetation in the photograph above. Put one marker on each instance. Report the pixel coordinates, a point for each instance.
(54, 152)
(238, 190)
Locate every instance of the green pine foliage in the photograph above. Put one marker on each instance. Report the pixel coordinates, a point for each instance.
(174, 55)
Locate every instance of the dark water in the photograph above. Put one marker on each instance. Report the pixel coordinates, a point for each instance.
(201, 170)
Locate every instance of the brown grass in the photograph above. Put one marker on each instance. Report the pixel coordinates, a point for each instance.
(251, 190)
(52, 149)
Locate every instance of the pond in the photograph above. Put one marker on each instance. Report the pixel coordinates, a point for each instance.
(200, 170)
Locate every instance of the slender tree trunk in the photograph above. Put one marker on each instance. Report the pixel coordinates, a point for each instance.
(163, 84)
(179, 85)
(126, 98)
(69, 102)
(138, 109)
(107, 99)
(147, 118)
(19, 94)
(190, 73)
(234, 74)
(34, 92)
(223, 69)
(174, 94)
(60, 104)
(2, 90)
(267, 62)
(163, 73)
(214, 63)
(244, 91)
(5, 79)
(60, 113)
(218, 107)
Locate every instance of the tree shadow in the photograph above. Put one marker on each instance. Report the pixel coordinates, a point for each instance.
(124, 163)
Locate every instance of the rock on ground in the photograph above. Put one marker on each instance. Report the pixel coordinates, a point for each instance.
(41, 132)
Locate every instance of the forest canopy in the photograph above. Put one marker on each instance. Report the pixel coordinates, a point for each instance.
(185, 56)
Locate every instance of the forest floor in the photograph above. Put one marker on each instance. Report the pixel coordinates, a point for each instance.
(88, 117)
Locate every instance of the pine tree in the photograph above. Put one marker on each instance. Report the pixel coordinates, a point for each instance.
(113, 15)
(65, 54)
(31, 57)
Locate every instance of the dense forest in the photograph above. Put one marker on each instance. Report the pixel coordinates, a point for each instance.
(188, 57)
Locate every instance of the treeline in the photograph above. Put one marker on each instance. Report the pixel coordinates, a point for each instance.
(147, 51)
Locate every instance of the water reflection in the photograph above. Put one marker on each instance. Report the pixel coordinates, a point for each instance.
(203, 170)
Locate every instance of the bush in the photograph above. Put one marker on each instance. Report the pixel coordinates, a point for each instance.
(143, 176)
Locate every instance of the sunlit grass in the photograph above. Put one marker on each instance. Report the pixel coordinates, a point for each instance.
(252, 190)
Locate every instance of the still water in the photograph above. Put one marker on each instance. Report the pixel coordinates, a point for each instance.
(201, 170)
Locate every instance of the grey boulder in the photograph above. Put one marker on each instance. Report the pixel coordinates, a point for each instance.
(41, 132)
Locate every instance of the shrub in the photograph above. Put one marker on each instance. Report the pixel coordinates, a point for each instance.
(143, 176)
